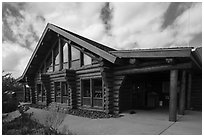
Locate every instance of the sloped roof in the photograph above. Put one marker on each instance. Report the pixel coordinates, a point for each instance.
(154, 53)
(195, 54)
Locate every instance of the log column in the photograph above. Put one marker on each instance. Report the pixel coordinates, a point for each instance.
(60, 55)
(182, 93)
(173, 95)
(189, 82)
(25, 98)
(107, 78)
(53, 60)
(69, 56)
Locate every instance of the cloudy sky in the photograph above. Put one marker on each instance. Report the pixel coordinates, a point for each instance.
(118, 25)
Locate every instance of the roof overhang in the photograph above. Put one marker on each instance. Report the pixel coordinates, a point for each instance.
(154, 53)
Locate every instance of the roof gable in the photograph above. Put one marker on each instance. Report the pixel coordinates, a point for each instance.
(49, 36)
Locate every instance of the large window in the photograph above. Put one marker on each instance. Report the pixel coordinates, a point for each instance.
(92, 92)
(65, 56)
(41, 95)
(75, 62)
(87, 60)
(62, 92)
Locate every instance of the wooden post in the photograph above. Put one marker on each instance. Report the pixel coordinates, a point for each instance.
(60, 55)
(189, 90)
(91, 91)
(53, 60)
(182, 93)
(69, 56)
(81, 59)
(55, 92)
(25, 93)
(173, 95)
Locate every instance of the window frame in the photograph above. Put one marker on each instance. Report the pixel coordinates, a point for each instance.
(60, 98)
(40, 96)
(92, 91)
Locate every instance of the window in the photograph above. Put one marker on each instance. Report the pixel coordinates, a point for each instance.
(87, 60)
(75, 62)
(64, 89)
(97, 88)
(97, 93)
(41, 92)
(62, 92)
(57, 92)
(65, 56)
(86, 88)
(92, 91)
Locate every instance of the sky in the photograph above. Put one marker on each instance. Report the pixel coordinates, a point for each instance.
(117, 25)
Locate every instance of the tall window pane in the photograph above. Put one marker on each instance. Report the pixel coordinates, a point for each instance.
(65, 56)
(87, 60)
(75, 53)
(97, 88)
(86, 88)
(75, 63)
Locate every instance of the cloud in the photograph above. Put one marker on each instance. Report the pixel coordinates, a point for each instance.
(188, 25)
(14, 58)
(149, 25)
(106, 17)
(174, 10)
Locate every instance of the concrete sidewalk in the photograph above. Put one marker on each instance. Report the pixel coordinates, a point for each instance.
(149, 122)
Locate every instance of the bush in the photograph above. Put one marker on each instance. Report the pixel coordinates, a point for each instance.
(9, 102)
(23, 125)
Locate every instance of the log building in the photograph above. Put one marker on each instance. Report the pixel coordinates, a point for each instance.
(77, 73)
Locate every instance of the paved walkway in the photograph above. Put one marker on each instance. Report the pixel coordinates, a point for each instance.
(149, 122)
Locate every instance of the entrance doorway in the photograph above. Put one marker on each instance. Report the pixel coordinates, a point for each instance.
(138, 95)
(145, 91)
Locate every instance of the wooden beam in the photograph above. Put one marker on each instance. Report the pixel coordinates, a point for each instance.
(25, 92)
(81, 59)
(53, 60)
(60, 55)
(134, 70)
(173, 95)
(189, 90)
(91, 91)
(69, 55)
(182, 93)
